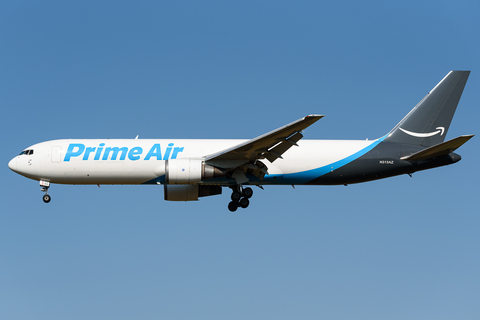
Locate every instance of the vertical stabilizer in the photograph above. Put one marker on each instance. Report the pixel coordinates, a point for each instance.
(427, 124)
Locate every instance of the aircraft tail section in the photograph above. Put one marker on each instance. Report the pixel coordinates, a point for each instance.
(427, 124)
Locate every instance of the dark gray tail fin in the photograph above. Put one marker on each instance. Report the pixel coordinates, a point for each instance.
(427, 124)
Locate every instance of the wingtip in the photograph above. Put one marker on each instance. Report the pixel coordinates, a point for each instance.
(315, 116)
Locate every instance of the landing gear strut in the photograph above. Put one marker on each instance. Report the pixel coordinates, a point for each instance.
(240, 198)
(45, 185)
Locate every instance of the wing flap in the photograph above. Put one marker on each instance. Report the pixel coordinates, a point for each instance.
(279, 149)
(438, 150)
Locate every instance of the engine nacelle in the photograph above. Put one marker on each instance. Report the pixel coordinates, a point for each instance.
(188, 171)
(189, 192)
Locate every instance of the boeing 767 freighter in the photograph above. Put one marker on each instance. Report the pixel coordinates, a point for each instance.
(189, 169)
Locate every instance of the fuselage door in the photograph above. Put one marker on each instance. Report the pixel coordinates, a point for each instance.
(56, 154)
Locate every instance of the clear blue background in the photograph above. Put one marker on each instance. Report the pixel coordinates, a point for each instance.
(400, 248)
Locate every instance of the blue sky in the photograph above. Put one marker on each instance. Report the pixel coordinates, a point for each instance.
(400, 248)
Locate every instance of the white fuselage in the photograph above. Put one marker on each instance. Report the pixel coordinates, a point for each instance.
(138, 161)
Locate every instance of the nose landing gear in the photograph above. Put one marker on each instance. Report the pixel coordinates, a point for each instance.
(240, 198)
(45, 185)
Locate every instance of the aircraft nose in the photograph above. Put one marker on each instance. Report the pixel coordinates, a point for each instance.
(13, 164)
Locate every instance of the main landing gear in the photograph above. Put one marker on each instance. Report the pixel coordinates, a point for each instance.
(45, 185)
(240, 198)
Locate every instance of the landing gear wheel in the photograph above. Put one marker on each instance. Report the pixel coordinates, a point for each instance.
(236, 196)
(244, 202)
(247, 193)
(47, 198)
(233, 206)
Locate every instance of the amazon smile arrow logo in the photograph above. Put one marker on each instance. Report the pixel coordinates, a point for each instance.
(440, 130)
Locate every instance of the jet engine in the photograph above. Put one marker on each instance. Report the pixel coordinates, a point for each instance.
(188, 171)
(182, 177)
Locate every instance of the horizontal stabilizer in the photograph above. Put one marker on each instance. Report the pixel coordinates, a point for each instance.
(438, 150)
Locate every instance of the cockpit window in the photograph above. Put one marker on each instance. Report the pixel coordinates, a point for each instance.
(26, 152)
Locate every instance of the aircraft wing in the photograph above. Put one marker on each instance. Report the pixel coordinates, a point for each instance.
(269, 146)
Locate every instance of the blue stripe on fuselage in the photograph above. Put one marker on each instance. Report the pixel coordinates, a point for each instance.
(306, 176)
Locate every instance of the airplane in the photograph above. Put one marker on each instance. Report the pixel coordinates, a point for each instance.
(190, 169)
